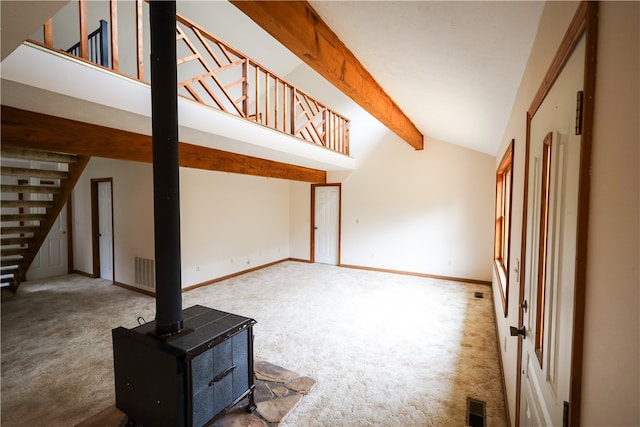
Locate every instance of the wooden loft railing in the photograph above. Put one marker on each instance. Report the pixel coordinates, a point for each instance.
(212, 73)
(222, 77)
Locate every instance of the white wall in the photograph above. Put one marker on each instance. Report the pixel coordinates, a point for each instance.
(300, 220)
(428, 211)
(132, 215)
(611, 363)
(610, 372)
(229, 223)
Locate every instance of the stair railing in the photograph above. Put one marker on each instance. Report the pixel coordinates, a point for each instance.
(97, 44)
(215, 74)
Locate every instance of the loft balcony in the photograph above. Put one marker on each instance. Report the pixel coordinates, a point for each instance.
(90, 64)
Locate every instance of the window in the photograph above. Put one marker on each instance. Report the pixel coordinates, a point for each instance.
(542, 246)
(504, 183)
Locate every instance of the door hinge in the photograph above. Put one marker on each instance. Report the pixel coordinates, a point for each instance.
(579, 105)
(565, 414)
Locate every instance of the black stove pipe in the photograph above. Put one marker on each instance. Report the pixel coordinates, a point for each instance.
(166, 177)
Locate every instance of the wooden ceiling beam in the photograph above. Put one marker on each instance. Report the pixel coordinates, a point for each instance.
(298, 27)
(29, 130)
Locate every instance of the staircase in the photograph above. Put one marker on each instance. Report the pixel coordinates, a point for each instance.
(35, 186)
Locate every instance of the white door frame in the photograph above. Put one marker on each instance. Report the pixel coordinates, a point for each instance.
(95, 227)
(585, 21)
(313, 219)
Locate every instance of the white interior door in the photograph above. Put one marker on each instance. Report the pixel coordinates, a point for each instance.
(52, 258)
(326, 222)
(551, 251)
(105, 231)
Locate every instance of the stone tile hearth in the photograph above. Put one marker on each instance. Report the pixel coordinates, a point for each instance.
(278, 391)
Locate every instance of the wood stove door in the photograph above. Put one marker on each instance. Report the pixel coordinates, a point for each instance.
(219, 377)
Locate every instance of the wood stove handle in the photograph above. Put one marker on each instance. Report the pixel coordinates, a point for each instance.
(221, 375)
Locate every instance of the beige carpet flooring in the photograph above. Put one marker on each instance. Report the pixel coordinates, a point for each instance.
(385, 349)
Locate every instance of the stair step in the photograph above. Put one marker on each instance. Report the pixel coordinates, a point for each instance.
(10, 277)
(8, 281)
(27, 204)
(19, 229)
(23, 217)
(6, 252)
(35, 173)
(10, 262)
(12, 269)
(6, 241)
(19, 153)
(39, 189)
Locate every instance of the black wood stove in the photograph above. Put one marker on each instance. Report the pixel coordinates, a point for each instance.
(187, 366)
(190, 379)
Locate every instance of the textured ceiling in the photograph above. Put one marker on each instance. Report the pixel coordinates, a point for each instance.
(452, 67)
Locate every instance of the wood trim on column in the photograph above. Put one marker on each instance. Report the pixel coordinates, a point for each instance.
(584, 185)
(26, 129)
(84, 33)
(113, 14)
(95, 248)
(48, 33)
(139, 41)
(70, 234)
(299, 28)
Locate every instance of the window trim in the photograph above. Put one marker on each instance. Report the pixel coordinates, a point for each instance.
(502, 232)
(543, 245)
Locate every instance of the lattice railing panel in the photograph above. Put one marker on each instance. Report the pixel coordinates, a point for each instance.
(210, 72)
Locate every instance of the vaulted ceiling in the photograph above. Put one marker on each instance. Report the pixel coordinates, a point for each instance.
(450, 68)
(453, 68)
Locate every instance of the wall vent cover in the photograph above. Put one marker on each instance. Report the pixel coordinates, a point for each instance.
(476, 413)
(145, 272)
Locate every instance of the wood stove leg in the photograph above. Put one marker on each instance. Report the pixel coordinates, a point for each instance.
(252, 403)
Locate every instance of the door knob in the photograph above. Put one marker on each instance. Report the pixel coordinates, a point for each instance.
(515, 331)
(524, 305)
